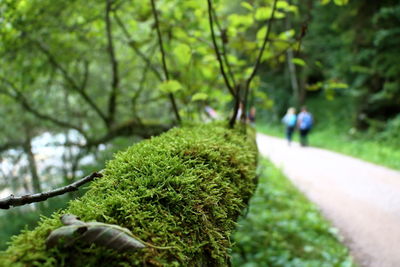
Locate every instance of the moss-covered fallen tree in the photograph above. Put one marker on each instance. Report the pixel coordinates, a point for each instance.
(183, 190)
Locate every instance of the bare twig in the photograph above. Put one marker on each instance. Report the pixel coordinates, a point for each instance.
(19, 97)
(258, 61)
(85, 75)
(135, 48)
(112, 106)
(216, 49)
(224, 40)
(71, 81)
(164, 62)
(13, 201)
(141, 85)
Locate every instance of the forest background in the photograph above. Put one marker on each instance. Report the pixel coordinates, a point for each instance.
(80, 80)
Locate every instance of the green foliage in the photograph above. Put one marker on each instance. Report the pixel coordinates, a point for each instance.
(26, 217)
(282, 228)
(362, 44)
(335, 131)
(184, 189)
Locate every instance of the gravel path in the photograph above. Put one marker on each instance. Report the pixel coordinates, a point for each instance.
(361, 199)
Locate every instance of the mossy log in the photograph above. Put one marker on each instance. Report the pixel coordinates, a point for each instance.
(184, 190)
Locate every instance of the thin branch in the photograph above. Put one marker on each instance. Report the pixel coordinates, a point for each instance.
(141, 85)
(85, 75)
(114, 66)
(224, 38)
(128, 128)
(216, 49)
(35, 178)
(258, 61)
(72, 82)
(262, 49)
(11, 145)
(135, 48)
(19, 97)
(236, 107)
(13, 201)
(163, 57)
(132, 127)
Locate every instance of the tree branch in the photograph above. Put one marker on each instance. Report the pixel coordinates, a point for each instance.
(11, 145)
(7, 202)
(224, 39)
(238, 100)
(19, 97)
(31, 161)
(134, 47)
(128, 128)
(216, 49)
(85, 75)
(114, 67)
(164, 63)
(137, 94)
(72, 82)
(258, 61)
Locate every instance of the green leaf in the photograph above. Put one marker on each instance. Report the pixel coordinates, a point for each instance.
(247, 6)
(183, 53)
(107, 235)
(199, 96)
(318, 64)
(299, 61)
(240, 20)
(261, 33)
(336, 85)
(286, 35)
(361, 69)
(341, 2)
(325, 2)
(282, 4)
(170, 86)
(315, 87)
(263, 13)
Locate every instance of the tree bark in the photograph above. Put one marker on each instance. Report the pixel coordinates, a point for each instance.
(112, 101)
(164, 61)
(292, 68)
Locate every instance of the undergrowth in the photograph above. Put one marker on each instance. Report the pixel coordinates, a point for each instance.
(184, 189)
(282, 228)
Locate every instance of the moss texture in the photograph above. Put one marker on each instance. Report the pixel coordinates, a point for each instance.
(184, 189)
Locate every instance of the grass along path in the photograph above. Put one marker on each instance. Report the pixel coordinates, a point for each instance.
(360, 147)
(283, 228)
(361, 199)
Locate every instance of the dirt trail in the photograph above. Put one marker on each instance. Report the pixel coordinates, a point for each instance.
(361, 199)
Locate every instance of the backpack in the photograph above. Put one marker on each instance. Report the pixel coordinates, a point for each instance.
(290, 120)
(306, 121)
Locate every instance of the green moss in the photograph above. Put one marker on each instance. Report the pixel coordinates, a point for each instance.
(185, 189)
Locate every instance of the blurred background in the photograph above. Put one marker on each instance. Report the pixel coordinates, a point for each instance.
(81, 80)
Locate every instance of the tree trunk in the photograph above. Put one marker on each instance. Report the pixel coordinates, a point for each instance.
(292, 68)
(35, 179)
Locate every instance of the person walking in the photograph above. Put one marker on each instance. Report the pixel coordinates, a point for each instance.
(252, 116)
(304, 123)
(290, 122)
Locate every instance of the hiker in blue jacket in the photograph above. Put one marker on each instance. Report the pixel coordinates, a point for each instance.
(290, 122)
(304, 123)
